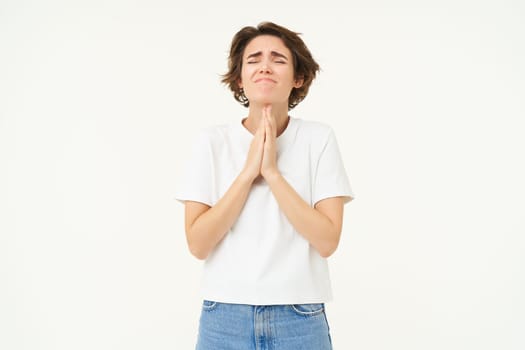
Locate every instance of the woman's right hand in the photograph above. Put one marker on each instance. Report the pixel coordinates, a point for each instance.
(252, 167)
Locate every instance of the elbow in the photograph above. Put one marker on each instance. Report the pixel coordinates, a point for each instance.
(327, 252)
(197, 252)
(329, 247)
(196, 249)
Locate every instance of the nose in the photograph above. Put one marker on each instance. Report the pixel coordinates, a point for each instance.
(264, 68)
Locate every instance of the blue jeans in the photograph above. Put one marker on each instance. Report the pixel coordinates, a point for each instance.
(225, 326)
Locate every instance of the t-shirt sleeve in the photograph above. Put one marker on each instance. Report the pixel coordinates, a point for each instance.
(331, 179)
(195, 177)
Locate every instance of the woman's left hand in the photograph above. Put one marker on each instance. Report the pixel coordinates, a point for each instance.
(269, 161)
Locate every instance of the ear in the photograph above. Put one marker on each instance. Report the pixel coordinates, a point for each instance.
(298, 82)
(239, 83)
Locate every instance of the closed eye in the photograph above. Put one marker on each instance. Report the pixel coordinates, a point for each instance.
(282, 62)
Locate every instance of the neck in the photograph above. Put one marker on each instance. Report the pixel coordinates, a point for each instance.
(279, 112)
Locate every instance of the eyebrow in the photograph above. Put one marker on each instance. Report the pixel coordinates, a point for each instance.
(273, 53)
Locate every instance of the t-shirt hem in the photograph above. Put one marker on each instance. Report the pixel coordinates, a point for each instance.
(264, 301)
(182, 199)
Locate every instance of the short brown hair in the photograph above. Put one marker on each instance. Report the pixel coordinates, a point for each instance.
(304, 64)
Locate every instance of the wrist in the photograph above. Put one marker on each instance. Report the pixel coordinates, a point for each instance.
(271, 176)
(244, 176)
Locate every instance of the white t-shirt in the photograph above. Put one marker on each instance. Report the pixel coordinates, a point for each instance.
(262, 259)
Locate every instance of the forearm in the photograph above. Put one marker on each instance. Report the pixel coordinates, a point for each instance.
(210, 227)
(309, 222)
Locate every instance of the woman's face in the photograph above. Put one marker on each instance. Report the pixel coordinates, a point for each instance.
(267, 74)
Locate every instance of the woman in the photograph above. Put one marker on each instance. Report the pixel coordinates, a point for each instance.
(264, 203)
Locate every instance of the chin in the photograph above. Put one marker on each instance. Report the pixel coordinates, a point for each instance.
(265, 100)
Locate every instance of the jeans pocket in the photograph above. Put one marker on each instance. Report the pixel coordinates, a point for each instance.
(308, 309)
(208, 305)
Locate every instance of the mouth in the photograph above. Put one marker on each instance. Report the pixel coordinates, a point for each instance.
(265, 80)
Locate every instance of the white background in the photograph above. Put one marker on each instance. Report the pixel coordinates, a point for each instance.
(100, 99)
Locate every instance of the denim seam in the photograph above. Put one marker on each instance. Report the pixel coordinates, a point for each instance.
(307, 313)
(209, 307)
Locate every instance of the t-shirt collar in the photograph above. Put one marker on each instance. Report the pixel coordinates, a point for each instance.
(281, 139)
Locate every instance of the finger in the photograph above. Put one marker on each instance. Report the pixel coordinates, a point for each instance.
(260, 129)
(269, 109)
(271, 118)
(264, 113)
(269, 133)
(267, 129)
(272, 124)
